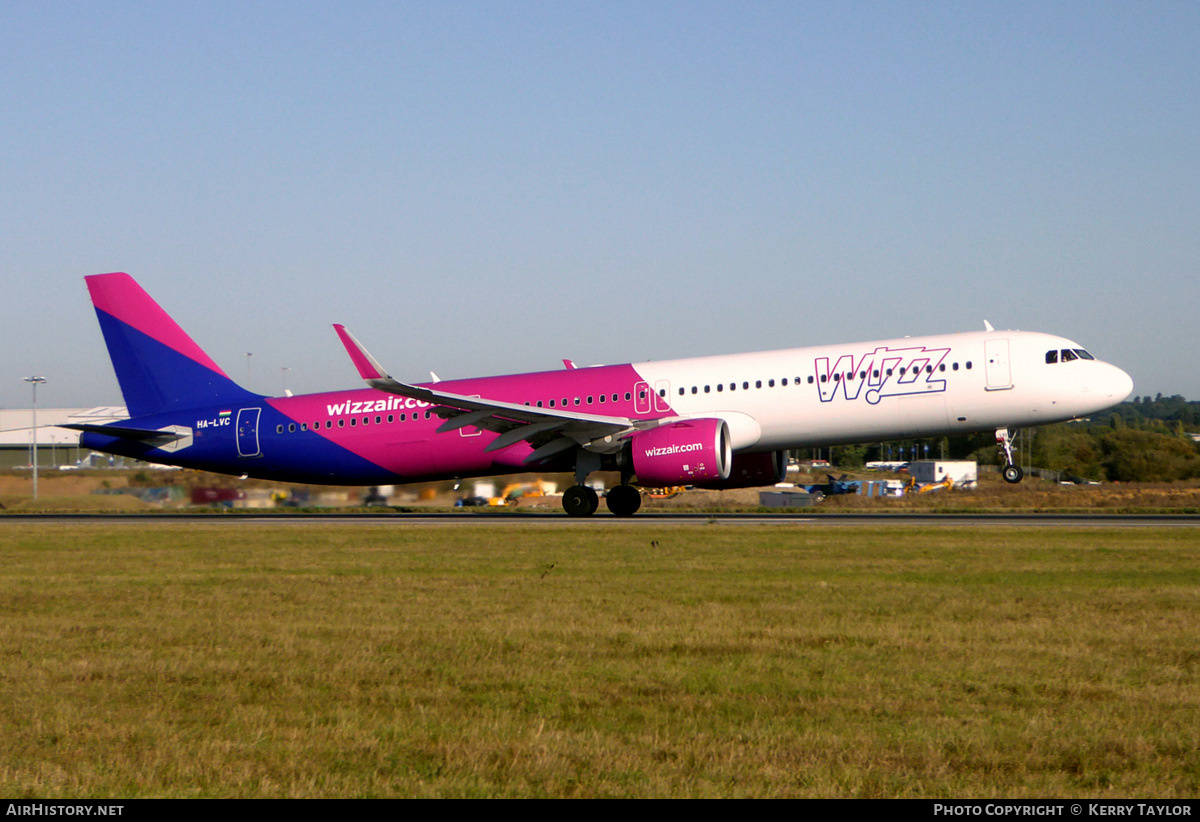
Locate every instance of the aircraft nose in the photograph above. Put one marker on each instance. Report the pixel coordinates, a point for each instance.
(1119, 385)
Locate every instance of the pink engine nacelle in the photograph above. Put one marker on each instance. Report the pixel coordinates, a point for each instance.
(687, 452)
(752, 471)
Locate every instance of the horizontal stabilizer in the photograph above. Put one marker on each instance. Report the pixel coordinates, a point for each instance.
(125, 432)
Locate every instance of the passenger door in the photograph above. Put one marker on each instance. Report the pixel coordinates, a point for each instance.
(998, 368)
(247, 432)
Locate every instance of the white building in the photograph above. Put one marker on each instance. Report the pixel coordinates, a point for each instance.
(55, 446)
(960, 472)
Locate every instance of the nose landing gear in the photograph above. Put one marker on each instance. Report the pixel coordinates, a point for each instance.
(1012, 473)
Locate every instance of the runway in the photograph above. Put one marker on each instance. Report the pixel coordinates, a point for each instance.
(465, 519)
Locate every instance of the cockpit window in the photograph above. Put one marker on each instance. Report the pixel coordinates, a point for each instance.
(1067, 355)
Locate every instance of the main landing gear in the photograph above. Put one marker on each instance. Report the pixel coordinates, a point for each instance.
(624, 500)
(1012, 473)
(581, 501)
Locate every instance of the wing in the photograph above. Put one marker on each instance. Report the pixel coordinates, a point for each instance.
(550, 431)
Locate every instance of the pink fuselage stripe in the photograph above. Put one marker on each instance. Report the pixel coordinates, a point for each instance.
(412, 447)
(119, 296)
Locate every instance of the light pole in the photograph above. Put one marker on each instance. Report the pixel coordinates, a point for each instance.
(35, 381)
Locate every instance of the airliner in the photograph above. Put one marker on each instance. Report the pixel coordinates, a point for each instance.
(710, 422)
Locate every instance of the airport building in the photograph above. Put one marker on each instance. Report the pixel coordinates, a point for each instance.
(56, 447)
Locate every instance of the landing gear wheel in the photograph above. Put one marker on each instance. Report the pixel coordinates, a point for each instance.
(580, 501)
(1012, 473)
(624, 500)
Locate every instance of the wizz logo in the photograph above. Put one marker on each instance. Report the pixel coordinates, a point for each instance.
(885, 372)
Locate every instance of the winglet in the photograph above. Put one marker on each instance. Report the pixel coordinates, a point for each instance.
(368, 367)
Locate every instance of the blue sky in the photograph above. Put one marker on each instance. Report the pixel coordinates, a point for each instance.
(486, 187)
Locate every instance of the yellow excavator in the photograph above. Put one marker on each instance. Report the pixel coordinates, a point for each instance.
(514, 492)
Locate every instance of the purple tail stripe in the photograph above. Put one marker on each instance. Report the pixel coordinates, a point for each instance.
(123, 299)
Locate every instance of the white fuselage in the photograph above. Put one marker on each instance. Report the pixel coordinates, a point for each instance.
(889, 389)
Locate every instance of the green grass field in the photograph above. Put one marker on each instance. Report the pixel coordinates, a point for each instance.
(271, 660)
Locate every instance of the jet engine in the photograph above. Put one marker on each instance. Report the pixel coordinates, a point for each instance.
(687, 452)
(752, 471)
